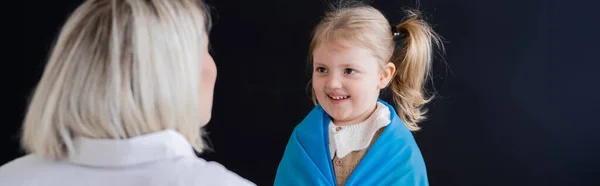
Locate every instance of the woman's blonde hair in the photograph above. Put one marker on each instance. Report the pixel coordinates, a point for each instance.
(366, 26)
(120, 69)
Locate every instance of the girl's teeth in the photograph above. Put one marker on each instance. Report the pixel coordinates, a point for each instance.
(339, 97)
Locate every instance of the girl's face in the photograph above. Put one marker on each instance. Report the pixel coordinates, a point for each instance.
(347, 79)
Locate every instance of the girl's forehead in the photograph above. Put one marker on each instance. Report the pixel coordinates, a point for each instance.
(344, 54)
(341, 50)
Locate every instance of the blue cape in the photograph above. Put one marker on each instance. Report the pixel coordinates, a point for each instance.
(393, 159)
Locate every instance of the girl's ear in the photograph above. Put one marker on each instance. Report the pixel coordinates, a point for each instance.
(385, 77)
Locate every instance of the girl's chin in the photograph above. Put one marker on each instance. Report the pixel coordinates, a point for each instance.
(338, 114)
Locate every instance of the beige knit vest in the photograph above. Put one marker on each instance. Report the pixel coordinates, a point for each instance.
(343, 167)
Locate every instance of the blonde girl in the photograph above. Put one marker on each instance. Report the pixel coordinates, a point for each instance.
(352, 137)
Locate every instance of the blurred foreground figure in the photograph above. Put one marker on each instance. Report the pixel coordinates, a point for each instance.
(126, 91)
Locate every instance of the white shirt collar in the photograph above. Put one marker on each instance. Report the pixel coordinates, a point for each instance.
(137, 150)
(345, 139)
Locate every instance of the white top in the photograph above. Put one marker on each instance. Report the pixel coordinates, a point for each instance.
(157, 159)
(346, 139)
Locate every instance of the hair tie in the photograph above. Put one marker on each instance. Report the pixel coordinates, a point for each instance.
(395, 31)
(398, 36)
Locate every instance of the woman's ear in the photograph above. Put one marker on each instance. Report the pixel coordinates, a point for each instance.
(389, 69)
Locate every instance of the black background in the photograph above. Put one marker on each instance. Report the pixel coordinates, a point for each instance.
(517, 96)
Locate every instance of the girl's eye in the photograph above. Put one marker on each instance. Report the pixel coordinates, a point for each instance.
(321, 70)
(349, 71)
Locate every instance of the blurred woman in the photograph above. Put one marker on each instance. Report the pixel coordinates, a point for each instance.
(125, 93)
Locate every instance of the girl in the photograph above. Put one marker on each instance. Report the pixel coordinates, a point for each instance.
(352, 137)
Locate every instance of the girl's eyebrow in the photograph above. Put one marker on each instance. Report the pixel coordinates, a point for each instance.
(346, 64)
(318, 63)
(351, 64)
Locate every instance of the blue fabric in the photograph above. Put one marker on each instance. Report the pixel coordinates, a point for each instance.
(394, 159)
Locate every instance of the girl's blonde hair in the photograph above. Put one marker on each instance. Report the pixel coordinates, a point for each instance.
(366, 26)
(120, 69)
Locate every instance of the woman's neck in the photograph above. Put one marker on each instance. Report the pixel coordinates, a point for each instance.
(359, 119)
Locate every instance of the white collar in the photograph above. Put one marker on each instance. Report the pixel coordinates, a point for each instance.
(155, 146)
(345, 139)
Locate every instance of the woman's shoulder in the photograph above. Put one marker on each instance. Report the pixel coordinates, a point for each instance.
(23, 163)
(181, 171)
(18, 170)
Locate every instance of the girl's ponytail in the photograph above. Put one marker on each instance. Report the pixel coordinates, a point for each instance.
(415, 41)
